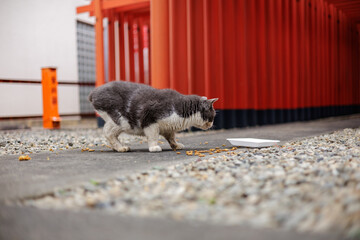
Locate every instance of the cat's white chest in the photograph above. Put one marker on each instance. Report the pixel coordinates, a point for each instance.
(177, 123)
(171, 123)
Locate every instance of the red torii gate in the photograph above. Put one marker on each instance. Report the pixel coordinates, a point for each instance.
(132, 13)
(268, 61)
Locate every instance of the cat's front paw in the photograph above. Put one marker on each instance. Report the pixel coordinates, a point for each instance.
(155, 149)
(122, 149)
(179, 146)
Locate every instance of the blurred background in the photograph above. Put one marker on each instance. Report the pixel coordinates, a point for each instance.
(268, 61)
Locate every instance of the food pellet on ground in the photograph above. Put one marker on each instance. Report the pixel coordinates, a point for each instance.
(24, 158)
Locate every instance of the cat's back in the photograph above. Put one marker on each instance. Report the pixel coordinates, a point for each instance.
(114, 88)
(113, 94)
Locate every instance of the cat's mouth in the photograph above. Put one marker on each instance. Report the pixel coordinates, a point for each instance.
(206, 126)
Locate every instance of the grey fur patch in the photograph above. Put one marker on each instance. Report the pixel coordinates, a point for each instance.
(142, 105)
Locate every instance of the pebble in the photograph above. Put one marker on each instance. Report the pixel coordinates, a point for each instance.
(308, 185)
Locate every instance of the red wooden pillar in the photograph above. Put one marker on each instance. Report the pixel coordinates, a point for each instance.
(159, 44)
(99, 44)
(135, 38)
(357, 66)
(141, 49)
(351, 64)
(341, 59)
(206, 22)
(273, 59)
(216, 52)
(313, 62)
(280, 59)
(308, 103)
(190, 46)
(146, 34)
(130, 21)
(111, 48)
(333, 63)
(322, 61)
(322, 69)
(347, 62)
(177, 46)
(336, 55)
(229, 69)
(287, 62)
(356, 79)
(345, 84)
(294, 13)
(317, 80)
(229, 81)
(197, 53)
(242, 98)
(252, 54)
(353, 71)
(263, 78)
(320, 54)
(326, 59)
(343, 79)
(121, 46)
(303, 4)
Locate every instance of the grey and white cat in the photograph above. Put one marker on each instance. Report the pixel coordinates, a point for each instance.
(142, 110)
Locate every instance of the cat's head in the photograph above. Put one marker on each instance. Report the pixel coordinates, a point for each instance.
(207, 112)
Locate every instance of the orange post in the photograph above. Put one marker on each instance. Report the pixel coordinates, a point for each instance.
(51, 117)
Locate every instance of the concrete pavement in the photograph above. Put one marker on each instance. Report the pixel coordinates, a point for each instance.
(33, 224)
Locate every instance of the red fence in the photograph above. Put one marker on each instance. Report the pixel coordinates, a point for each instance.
(268, 61)
(133, 28)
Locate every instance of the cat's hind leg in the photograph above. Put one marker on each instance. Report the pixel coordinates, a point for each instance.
(112, 132)
(152, 134)
(170, 137)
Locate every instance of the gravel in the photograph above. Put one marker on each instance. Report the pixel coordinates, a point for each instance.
(37, 141)
(309, 185)
(17, 142)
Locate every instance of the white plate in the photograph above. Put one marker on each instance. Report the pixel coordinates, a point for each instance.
(252, 142)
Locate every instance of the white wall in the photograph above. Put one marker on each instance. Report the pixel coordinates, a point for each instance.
(36, 34)
(17, 99)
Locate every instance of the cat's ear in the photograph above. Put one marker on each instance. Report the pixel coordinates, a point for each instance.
(204, 98)
(213, 100)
